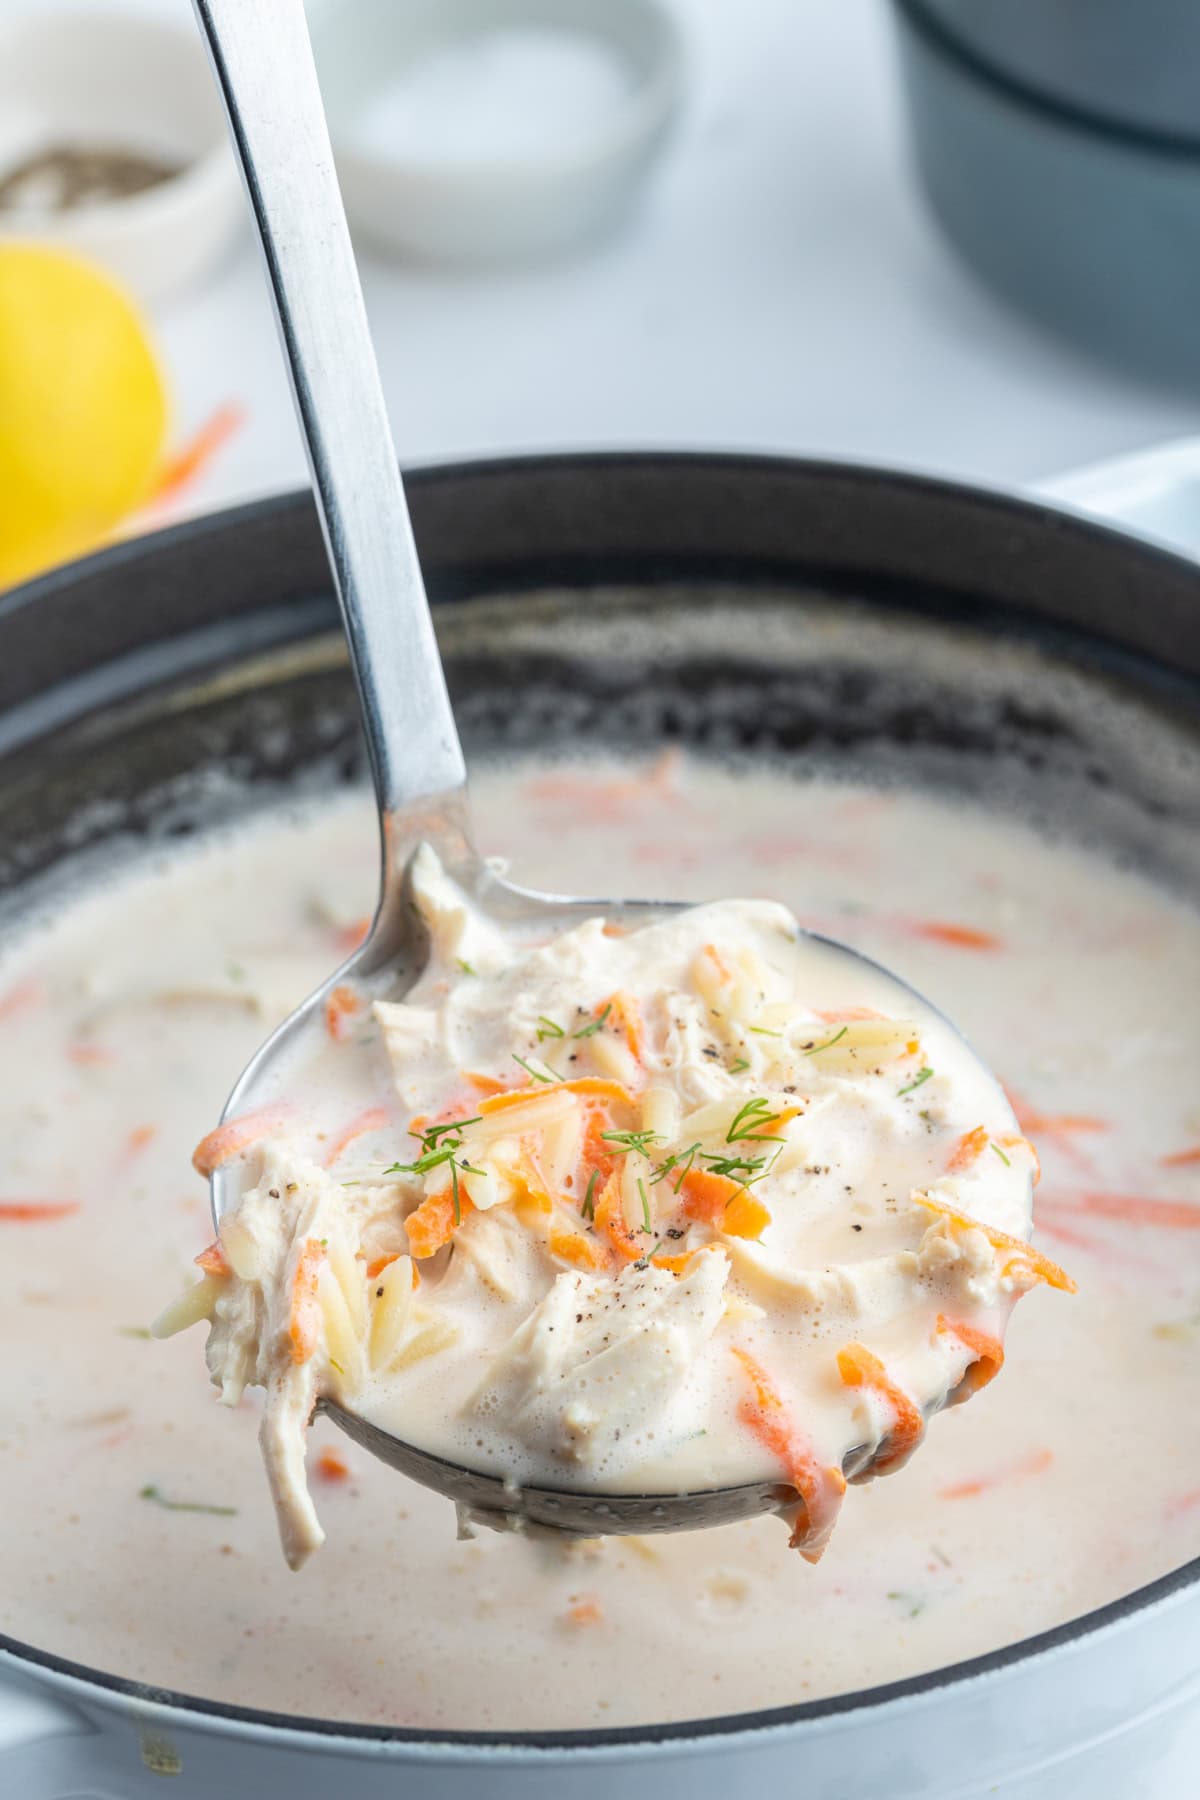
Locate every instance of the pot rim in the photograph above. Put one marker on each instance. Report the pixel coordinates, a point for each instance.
(74, 1676)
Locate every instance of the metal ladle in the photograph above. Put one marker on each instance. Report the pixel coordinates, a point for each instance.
(264, 66)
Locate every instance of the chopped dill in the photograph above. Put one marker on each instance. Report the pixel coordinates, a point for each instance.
(761, 1031)
(134, 1331)
(919, 1080)
(589, 1204)
(627, 1141)
(542, 1074)
(587, 1031)
(464, 966)
(816, 1049)
(646, 1225)
(743, 1062)
(548, 1029)
(1006, 1160)
(151, 1492)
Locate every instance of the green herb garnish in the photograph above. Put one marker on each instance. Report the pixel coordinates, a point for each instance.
(919, 1081)
(816, 1049)
(150, 1492)
(681, 1160)
(743, 1062)
(589, 1205)
(912, 1604)
(587, 1031)
(646, 1226)
(749, 1121)
(134, 1331)
(548, 1029)
(1006, 1160)
(761, 1031)
(464, 965)
(627, 1141)
(542, 1074)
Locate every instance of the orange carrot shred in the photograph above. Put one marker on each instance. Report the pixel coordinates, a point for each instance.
(373, 1119)
(586, 1610)
(20, 997)
(304, 1324)
(349, 937)
(849, 1015)
(1135, 1209)
(988, 1351)
(486, 1084)
(1022, 1256)
(376, 1267)
(610, 1219)
(627, 1015)
(235, 1135)
(725, 1204)
(433, 1223)
(31, 1212)
(969, 1148)
(590, 1086)
(139, 1137)
(576, 1248)
(861, 1368)
(186, 464)
(1181, 1159)
(340, 1008)
(1034, 1464)
(820, 1488)
(963, 937)
(332, 1467)
(213, 1260)
(87, 1056)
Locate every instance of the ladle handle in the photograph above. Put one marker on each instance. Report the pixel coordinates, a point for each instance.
(264, 66)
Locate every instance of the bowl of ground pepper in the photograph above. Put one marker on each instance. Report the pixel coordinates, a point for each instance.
(113, 144)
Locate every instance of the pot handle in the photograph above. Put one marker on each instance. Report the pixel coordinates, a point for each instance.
(38, 1760)
(1153, 493)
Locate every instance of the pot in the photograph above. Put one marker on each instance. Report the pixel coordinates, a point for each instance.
(775, 606)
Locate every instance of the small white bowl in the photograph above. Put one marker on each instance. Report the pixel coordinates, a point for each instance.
(124, 81)
(473, 130)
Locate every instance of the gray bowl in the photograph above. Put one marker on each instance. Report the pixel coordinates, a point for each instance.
(1059, 148)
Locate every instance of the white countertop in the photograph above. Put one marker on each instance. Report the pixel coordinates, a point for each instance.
(779, 288)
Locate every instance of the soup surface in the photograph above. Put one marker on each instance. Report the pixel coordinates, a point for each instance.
(140, 1538)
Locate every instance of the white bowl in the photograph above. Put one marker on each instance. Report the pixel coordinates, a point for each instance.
(123, 80)
(577, 97)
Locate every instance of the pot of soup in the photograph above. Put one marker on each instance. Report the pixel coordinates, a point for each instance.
(957, 730)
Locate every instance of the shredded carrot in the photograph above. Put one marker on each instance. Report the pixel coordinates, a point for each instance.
(988, 1351)
(31, 1212)
(341, 1006)
(1011, 1141)
(331, 1467)
(186, 464)
(1135, 1209)
(820, 1488)
(1022, 1255)
(1049, 1125)
(772, 1126)
(676, 1265)
(723, 1203)
(860, 1368)
(627, 1015)
(576, 1248)
(373, 1119)
(349, 937)
(434, 1224)
(1035, 1464)
(610, 1219)
(849, 1015)
(486, 1084)
(969, 1148)
(586, 1610)
(20, 998)
(235, 1135)
(87, 1056)
(139, 1137)
(213, 1260)
(596, 1087)
(1181, 1159)
(304, 1323)
(963, 937)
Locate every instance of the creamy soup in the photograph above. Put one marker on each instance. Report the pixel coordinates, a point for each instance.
(654, 1208)
(139, 1536)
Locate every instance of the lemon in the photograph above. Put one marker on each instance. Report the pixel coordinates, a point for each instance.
(83, 408)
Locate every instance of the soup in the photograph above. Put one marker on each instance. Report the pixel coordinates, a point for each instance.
(145, 1542)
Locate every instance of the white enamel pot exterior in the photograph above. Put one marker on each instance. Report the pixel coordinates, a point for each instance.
(1107, 1707)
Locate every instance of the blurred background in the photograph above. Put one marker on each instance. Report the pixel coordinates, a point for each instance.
(960, 237)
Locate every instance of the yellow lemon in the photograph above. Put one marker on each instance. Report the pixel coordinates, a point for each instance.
(83, 408)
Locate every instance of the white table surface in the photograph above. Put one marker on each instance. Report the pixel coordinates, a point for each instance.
(780, 287)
